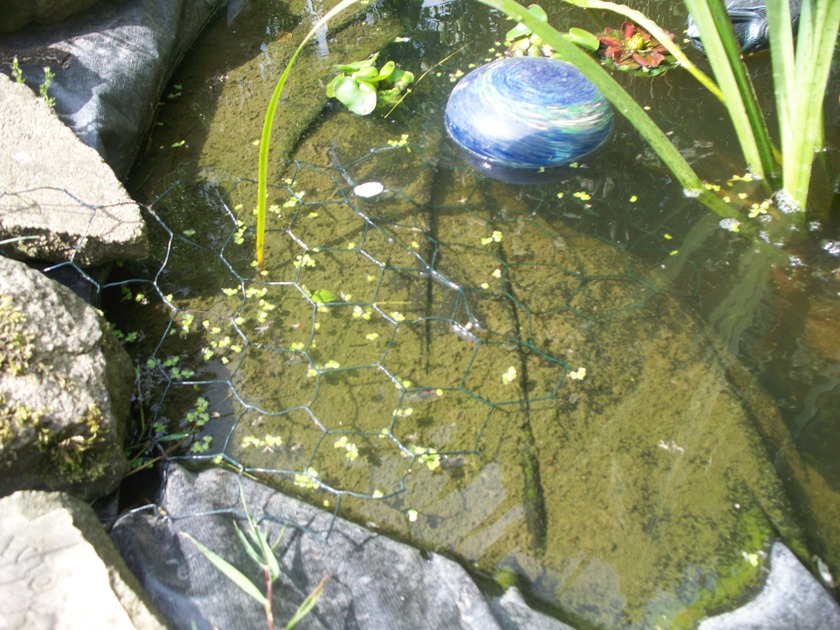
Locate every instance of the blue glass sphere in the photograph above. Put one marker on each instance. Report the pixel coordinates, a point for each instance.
(520, 115)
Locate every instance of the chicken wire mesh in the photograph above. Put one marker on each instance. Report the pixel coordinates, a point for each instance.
(383, 334)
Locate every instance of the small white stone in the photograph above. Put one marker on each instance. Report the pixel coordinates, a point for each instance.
(369, 189)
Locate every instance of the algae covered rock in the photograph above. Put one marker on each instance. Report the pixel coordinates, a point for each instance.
(65, 386)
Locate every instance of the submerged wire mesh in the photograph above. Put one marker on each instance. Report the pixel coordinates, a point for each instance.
(449, 348)
(383, 335)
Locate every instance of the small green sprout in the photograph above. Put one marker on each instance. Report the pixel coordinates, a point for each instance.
(44, 88)
(255, 542)
(17, 73)
(203, 445)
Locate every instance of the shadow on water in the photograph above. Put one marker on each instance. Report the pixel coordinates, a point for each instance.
(512, 374)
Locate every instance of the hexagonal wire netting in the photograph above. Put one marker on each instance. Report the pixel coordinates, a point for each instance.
(384, 334)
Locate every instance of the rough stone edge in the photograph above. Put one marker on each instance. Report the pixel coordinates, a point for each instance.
(92, 247)
(772, 609)
(126, 587)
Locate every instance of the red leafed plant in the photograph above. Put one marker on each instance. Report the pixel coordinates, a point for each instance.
(631, 48)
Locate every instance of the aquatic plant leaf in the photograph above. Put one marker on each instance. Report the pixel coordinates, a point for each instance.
(387, 70)
(724, 54)
(369, 73)
(324, 296)
(521, 30)
(358, 96)
(584, 39)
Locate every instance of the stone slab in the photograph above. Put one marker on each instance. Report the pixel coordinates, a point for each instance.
(791, 598)
(59, 569)
(58, 193)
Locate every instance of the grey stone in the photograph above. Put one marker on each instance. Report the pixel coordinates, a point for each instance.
(14, 14)
(59, 569)
(112, 64)
(791, 598)
(373, 582)
(59, 191)
(65, 389)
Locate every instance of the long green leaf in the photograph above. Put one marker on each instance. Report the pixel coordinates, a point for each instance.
(307, 604)
(622, 101)
(725, 58)
(265, 139)
(230, 571)
(800, 78)
(654, 29)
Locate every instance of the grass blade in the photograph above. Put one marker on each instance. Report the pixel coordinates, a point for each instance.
(724, 55)
(265, 139)
(308, 604)
(230, 572)
(800, 77)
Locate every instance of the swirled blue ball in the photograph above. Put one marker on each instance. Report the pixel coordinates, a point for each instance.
(527, 113)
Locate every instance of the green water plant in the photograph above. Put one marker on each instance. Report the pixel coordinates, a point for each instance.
(800, 76)
(256, 544)
(521, 41)
(631, 48)
(268, 123)
(362, 87)
(622, 101)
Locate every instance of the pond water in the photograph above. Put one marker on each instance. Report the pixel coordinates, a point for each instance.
(587, 386)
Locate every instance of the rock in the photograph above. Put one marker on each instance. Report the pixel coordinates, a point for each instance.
(14, 14)
(791, 598)
(112, 64)
(65, 389)
(373, 582)
(58, 568)
(59, 191)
